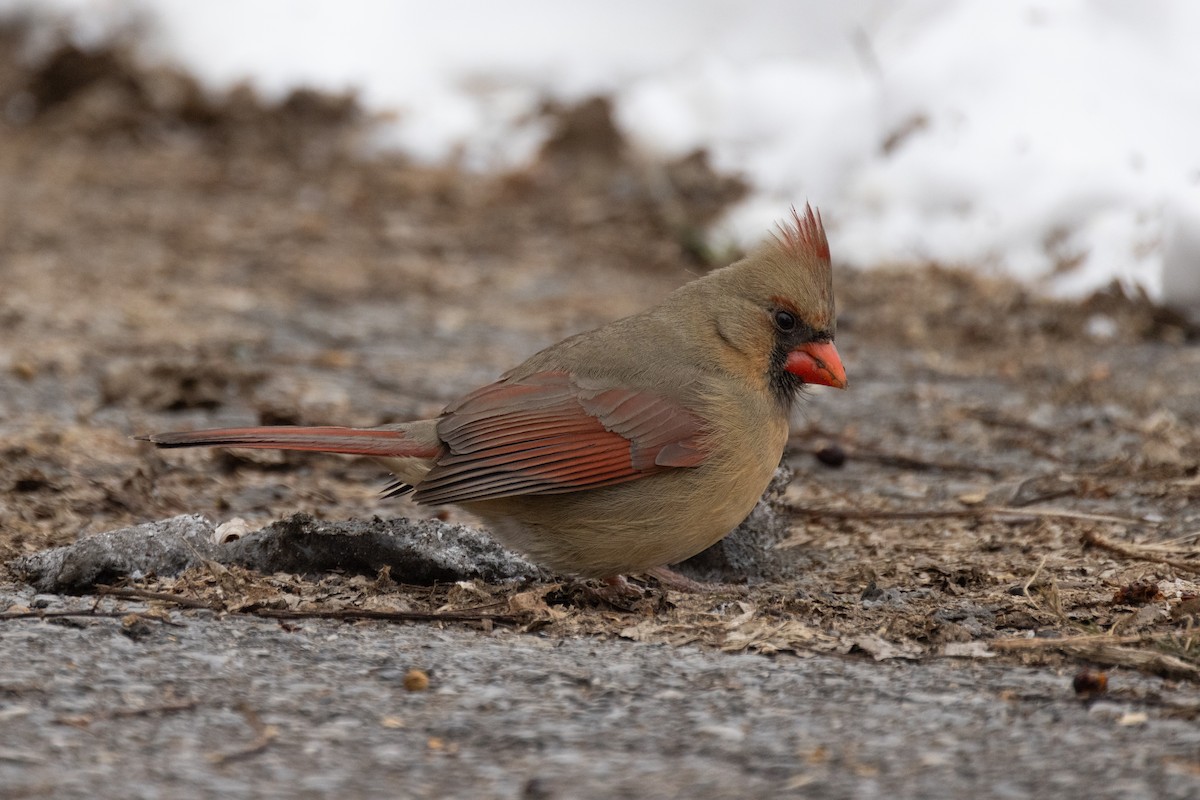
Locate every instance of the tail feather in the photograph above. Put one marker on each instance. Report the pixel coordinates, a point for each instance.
(379, 442)
(397, 488)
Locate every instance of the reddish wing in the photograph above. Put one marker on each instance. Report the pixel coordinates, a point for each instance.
(547, 434)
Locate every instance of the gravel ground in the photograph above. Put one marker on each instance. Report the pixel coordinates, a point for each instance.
(207, 707)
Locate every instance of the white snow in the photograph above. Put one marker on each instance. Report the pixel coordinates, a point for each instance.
(1024, 135)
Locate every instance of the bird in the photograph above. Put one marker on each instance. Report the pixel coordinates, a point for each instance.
(631, 447)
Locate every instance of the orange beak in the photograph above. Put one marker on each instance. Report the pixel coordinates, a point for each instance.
(817, 362)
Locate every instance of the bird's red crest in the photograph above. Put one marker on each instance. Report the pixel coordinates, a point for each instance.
(804, 235)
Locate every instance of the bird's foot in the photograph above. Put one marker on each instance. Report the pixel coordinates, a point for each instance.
(618, 587)
(613, 592)
(624, 595)
(669, 578)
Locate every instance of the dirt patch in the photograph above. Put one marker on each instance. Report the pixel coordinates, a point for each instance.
(1004, 469)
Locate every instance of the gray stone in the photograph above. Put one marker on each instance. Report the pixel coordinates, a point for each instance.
(416, 551)
(165, 547)
(750, 552)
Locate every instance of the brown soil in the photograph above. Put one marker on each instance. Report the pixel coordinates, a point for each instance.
(1021, 475)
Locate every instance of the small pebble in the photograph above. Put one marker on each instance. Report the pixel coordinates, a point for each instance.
(416, 680)
(831, 455)
(1088, 683)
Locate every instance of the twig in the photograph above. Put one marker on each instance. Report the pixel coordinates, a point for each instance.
(1177, 540)
(1032, 578)
(264, 735)
(1104, 649)
(1093, 539)
(992, 417)
(468, 615)
(145, 594)
(391, 616)
(15, 756)
(465, 615)
(964, 513)
(919, 464)
(83, 720)
(90, 613)
(1022, 643)
(900, 460)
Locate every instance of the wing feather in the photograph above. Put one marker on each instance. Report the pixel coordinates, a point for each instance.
(545, 434)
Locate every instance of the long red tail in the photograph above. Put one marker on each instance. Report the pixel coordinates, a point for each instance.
(382, 442)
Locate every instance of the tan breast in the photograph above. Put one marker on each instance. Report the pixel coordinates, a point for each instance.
(658, 520)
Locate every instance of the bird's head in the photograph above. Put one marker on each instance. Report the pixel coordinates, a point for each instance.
(773, 311)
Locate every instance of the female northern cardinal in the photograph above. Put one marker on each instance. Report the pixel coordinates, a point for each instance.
(630, 447)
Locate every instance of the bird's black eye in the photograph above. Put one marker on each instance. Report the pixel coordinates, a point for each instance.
(785, 321)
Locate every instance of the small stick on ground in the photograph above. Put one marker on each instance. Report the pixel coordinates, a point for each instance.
(83, 720)
(89, 613)
(389, 616)
(265, 734)
(920, 464)
(466, 615)
(1032, 578)
(1107, 650)
(146, 594)
(964, 513)
(1023, 643)
(1135, 552)
(902, 461)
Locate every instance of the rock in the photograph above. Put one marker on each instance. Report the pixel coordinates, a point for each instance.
(749, 553)
(416, 551)
(165, 547)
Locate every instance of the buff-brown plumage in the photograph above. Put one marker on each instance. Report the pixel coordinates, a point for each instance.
(632, 446)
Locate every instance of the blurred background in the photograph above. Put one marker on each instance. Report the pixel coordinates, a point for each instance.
(1053, 141)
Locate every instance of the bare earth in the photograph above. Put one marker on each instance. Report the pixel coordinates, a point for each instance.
(1018, 508)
